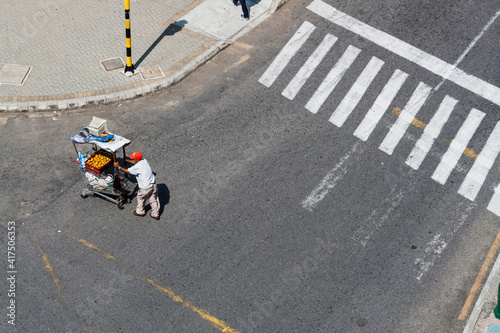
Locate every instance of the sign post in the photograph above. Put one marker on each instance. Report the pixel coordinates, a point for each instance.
(129, 69)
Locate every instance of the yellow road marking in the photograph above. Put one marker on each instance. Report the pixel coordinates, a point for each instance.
(48, 267)
(420, 124)
(479, 278)
(417, 123)
(221, 325)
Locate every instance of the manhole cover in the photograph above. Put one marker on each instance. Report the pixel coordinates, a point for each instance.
(112, 64)
(151, 72)
(14, 74)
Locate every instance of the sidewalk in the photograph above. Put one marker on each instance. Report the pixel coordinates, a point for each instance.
(62, 54)
(482, 318)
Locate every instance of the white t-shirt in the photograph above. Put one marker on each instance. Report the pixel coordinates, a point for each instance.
(144, 174)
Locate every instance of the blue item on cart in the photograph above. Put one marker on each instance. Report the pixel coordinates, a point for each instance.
(81, 159)
(105, 138)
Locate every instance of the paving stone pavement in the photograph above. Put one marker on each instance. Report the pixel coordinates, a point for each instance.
(65, 41)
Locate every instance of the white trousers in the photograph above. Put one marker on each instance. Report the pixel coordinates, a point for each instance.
(151, 194)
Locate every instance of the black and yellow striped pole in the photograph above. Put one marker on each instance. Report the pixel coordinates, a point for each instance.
(129, 69)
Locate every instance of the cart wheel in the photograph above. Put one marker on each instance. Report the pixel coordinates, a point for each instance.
(120, 206)
(84, 194)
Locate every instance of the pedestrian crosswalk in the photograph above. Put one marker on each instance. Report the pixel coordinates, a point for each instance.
(475, 178)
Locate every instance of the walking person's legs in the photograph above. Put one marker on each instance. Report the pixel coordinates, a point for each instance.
(142, 196)
(154, 201)
(246, 14)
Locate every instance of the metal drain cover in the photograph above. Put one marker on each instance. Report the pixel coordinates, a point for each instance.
(151, 72)
(112, 64)
(14, 74)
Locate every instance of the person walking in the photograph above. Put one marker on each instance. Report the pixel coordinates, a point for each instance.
(146, 182)
(246, 14)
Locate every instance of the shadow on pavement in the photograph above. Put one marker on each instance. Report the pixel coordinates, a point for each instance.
(169, 31)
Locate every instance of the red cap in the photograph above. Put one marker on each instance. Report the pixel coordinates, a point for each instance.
(135, 156)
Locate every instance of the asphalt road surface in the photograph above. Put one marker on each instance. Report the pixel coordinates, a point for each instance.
(293, 197)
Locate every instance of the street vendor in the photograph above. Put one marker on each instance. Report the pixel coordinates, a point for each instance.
(147, 185)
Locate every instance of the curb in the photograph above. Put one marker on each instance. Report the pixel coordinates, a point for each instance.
(76, 103)
(42, 104)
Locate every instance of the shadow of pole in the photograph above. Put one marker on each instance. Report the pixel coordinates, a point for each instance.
(169, 31)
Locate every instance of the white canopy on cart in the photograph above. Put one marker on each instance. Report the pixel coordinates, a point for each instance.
(85, 137)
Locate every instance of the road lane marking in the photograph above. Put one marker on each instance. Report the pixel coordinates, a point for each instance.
(219, 324)
(420, 124)
(286, 54)
(439, 242)
(406, 117)
(381, 104)
(332, 178)
(431, 133)
(48, 267)
(416, 122)
(332, 79)
(378, 217)
(494, 204)
(407, 51)
(471, 45)
(356, 92)
(292, 89)
(477, 174)
(457, 146)
(479, 278)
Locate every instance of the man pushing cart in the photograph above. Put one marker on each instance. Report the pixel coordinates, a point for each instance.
(96, 151)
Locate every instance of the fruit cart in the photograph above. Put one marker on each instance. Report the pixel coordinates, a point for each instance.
(96, 155)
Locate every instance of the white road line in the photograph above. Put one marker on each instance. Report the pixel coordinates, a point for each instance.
(471, 45)
(375, 221)
(331, 179)
(356, 92)
(494, 205)
(332, 79)
(457, 146)
(381, 104)
(431, 133)
(407, 51)
(308, 68)
(406, 117)
(287, 53)
(477, 174)
(439, 242)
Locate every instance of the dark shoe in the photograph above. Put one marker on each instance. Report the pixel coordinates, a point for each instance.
(235, 2)
(155, 217)
(245, 18)
(134, 212)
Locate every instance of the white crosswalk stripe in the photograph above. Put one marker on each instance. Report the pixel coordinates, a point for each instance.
(332, 79)
(457, 146)
(431, 132)
(305, 72)
(287, 53)
(372, 118)
(482, 165)
(494, 204)
(404, 120)
(356, 92)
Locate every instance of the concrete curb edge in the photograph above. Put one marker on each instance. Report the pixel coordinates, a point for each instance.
(77, 103)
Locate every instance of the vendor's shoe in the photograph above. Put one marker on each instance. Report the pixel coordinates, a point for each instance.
(155, 217)
(135, 213)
